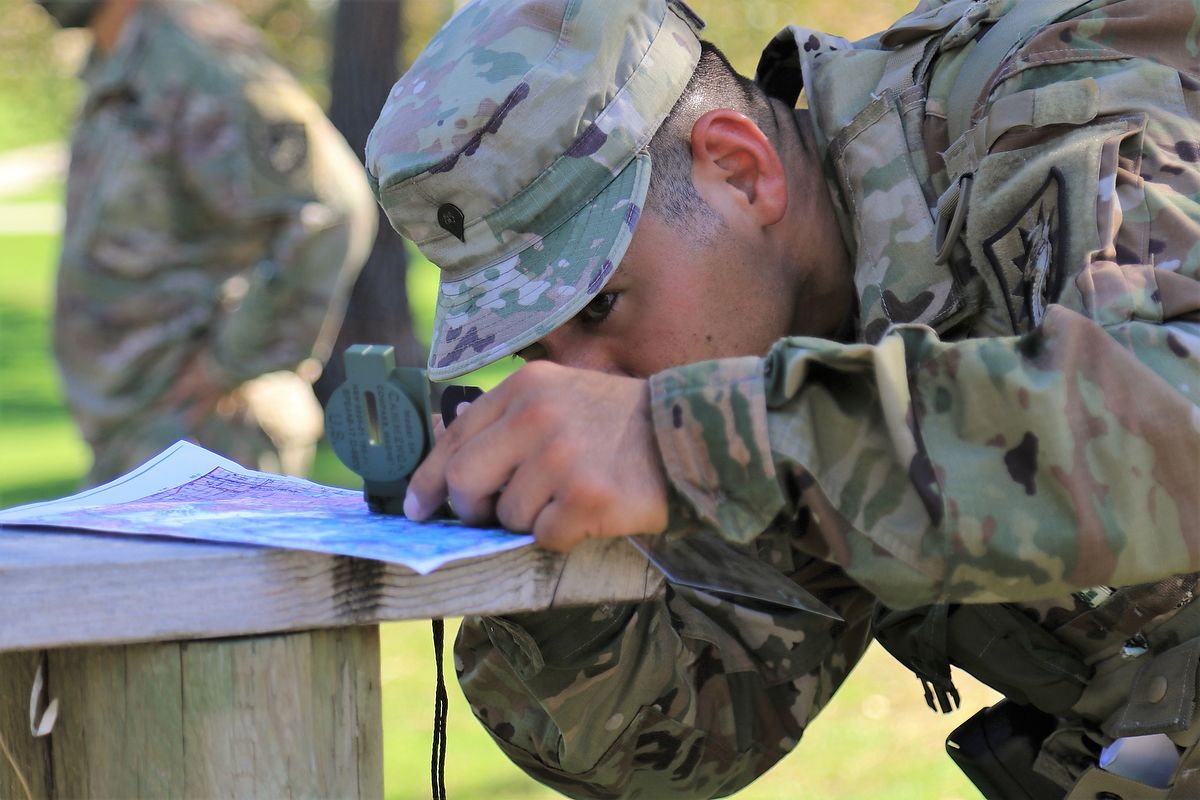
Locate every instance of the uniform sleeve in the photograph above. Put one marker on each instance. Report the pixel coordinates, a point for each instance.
(993, 469)
(1005, 468)
(269, 171)
(688, 696)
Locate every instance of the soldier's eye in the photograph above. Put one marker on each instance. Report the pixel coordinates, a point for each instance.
(598, 310)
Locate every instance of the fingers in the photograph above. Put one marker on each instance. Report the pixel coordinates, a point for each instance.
(525, 454)
(581, 511)
(584, 507)
(482, 477)
(557, 529)
(439, 424)
(522, 499)
(429, 487)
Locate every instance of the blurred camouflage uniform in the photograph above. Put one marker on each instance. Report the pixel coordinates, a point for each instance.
(213, 213)
(1015, 431)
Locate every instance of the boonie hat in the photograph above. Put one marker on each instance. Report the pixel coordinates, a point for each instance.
(512, 153)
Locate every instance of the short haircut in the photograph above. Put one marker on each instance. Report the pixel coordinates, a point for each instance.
(714, 84)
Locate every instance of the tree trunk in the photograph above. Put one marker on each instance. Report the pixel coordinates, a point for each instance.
(366, 46)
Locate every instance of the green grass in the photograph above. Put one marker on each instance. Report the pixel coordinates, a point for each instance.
(876, 740)
(41, 454)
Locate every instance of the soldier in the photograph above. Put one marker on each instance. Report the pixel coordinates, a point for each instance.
(215, 222)
(928, 345)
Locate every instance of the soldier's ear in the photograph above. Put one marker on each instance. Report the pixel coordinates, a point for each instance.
(736, 168)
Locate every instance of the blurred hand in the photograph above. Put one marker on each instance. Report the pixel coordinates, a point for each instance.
(564, 453)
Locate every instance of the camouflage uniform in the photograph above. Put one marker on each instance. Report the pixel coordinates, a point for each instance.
(1014, 430)
(212, 213)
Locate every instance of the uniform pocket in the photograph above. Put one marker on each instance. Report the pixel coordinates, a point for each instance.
(662, 753)
(1004, 648)
(896, 275)
(1040, 226)
(1162, 698)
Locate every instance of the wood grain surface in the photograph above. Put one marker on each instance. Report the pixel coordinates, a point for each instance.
(61, 589)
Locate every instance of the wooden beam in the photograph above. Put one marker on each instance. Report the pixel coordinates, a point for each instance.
(25, 766)
(60, 589)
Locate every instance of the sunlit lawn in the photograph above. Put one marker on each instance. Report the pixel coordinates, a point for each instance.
(876, 740)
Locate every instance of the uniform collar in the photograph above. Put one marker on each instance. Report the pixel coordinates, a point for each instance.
(789, 65)
(801, 60)
(108, 74)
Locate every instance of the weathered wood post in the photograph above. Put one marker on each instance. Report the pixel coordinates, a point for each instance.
(289, 715)
(157, 700)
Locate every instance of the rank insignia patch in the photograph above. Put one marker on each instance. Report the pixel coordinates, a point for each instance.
(452, 219)
(1025, 255)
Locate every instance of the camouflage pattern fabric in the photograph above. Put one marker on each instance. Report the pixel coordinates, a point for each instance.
(689, 696)
(1019, 425)
(214, 214)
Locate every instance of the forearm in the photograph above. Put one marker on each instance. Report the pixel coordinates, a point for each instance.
(991, 469)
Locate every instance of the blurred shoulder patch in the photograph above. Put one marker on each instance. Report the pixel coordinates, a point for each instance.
(281, 146)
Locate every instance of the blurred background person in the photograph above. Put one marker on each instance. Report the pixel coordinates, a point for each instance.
(215, 224)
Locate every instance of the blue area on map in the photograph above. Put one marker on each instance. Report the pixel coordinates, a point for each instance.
(224, 506)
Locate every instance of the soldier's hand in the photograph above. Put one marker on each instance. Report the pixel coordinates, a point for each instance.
(564, 453)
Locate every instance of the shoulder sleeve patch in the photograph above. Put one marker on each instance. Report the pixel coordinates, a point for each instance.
(1025, 256)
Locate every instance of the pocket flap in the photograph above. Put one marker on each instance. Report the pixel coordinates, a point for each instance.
(1162, 698)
